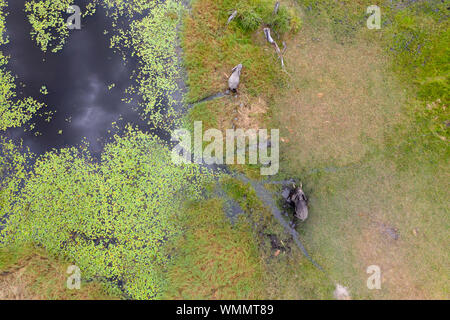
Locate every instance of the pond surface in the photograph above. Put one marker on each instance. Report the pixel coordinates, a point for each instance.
(77, 79)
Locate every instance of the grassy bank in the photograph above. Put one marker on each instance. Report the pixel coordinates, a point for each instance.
(28, 273)
(214, 260)
(212, 48)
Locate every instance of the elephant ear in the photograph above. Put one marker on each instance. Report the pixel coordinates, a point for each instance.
(291, 196)
(304, 197)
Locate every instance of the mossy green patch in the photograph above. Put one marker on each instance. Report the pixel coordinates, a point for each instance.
(214, 259)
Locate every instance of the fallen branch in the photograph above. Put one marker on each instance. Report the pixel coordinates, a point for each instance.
(268, 36)
(232, 16)
(277, 7)
(273, 42)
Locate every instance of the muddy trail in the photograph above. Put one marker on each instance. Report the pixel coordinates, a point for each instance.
(268, 199)
(215, 96)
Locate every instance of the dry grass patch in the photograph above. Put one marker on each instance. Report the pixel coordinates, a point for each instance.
(342, 107)
(29, 274)
(339, 103)
(352, 218)
(376, 247)
(250, 114)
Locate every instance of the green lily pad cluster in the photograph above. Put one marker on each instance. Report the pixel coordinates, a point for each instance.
(49, 28)
(153, 40)
(43, 90)
(14, 112)
(110, 218)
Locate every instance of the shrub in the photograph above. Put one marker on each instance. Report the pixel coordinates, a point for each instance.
(254, 13)
(249, 19)
(280, 22)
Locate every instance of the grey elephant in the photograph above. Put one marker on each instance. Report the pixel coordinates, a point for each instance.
(233, 81)
(298, 199)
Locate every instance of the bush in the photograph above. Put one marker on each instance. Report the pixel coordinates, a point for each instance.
(280, 22)
(249, 19)
(254, 13)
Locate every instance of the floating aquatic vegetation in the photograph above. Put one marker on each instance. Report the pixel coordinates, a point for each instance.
(49, 28)
(3, 38)
(153, 40)
(110, 218)
(150, 35)
(13, 112)
(128, 8)
(43, 90)
(13, 172)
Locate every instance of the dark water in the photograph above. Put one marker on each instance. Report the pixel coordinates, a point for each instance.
(77, 79)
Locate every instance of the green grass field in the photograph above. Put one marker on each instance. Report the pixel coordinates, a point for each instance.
(361, 138)
(363, 128)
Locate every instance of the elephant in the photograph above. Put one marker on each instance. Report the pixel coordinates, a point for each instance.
(233, 81)
(298, 199)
